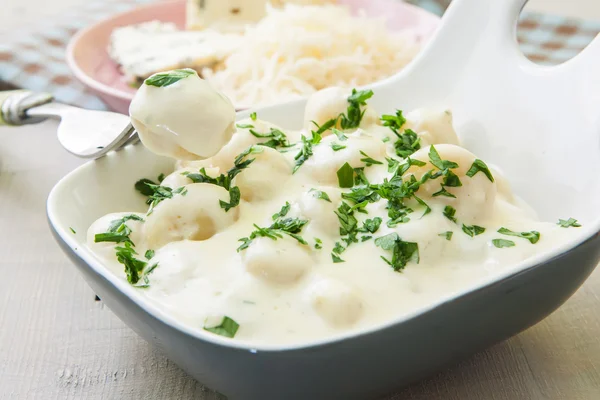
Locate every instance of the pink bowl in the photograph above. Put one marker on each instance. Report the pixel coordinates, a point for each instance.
(88, 58)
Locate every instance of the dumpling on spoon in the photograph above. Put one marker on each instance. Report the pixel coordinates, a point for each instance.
(180, 115)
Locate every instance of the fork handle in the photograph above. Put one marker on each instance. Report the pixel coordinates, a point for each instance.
(14, 105)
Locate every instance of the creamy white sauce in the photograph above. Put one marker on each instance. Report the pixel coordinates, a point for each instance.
(280, 291)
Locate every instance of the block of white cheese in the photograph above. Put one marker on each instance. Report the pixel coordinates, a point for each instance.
(232, 15)
(223, 14)
(144, 49)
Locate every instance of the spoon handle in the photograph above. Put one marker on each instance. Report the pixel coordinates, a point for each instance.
(14, 105)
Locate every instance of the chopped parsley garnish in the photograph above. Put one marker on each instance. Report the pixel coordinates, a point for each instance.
(326, 126)
(143, 186)
(72, 231)
(149, 254)
(421, 202)
(320, 194)
(359, 194)
(449, 213)
(369, 160)
(161, 177)
(371, 225)
(224, 180)
(118, 231)
(472, 230)
(336, 258)
(447, 235)
(408, 142)
(394, 122)
(245, 126)
(281, 225)
(402, 252)
(436, 160)
(346, 176)
(571, 222)
(227, 327)
(276, 138)
(501, 243)
(253, 116)
(163, 79)
(354, 114)
(283, 212)
(443, 192)
(318, 244)
(385, 139)
(307, 149)
(135, 269)
(533, 236)
(479, 166)
(337, 147)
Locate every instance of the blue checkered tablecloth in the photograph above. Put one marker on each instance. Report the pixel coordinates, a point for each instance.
(35, 59)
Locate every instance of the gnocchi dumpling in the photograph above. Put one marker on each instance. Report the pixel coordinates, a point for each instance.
(197, 130)
(281, 261)
(267, 163)
(319, 211)
(103, 224)
(326, 161)
(179, 178)
(433, 126)
(327, 104)
(195, 214)
(473, 200)
(336, 303)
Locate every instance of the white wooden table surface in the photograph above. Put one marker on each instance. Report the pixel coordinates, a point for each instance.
(57, 342)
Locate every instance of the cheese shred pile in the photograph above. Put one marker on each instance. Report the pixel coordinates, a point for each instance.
(297, 50)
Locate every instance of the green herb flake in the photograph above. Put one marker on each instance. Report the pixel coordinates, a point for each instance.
(336, 258)
(447, 235)
(569, 223)
(340, 135)
(371, 225)
(228, 328)
(472, 230)
(276, 138)
(283, 212)
(369, 160)
(502, 243)
(318, 244)
(337, 147)
(345, 176)
(408, 142)
(161, 177)
(354, 114)
(319, 194)
(402, 252)
(394, 122)
(253, 116)
(143, 186)
(385, 139)
(245, 126)
(436, 160)
(149, 254)
(479, 166)
(163, 79)
(306, 151)
(72, 231)
(532, 236)
(449, 213)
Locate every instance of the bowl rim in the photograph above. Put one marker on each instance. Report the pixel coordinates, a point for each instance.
(108, 90)
(81, 251)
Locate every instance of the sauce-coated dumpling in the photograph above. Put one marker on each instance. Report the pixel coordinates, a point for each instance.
(267, 162)
(474, 199)
(328, 104)
(325, 163)
(197, 130)
(282, 261)
(337, 303)
(433, 126)
(102, 224)
(196, 215)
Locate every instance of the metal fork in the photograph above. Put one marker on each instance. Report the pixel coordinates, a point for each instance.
(84, 133)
